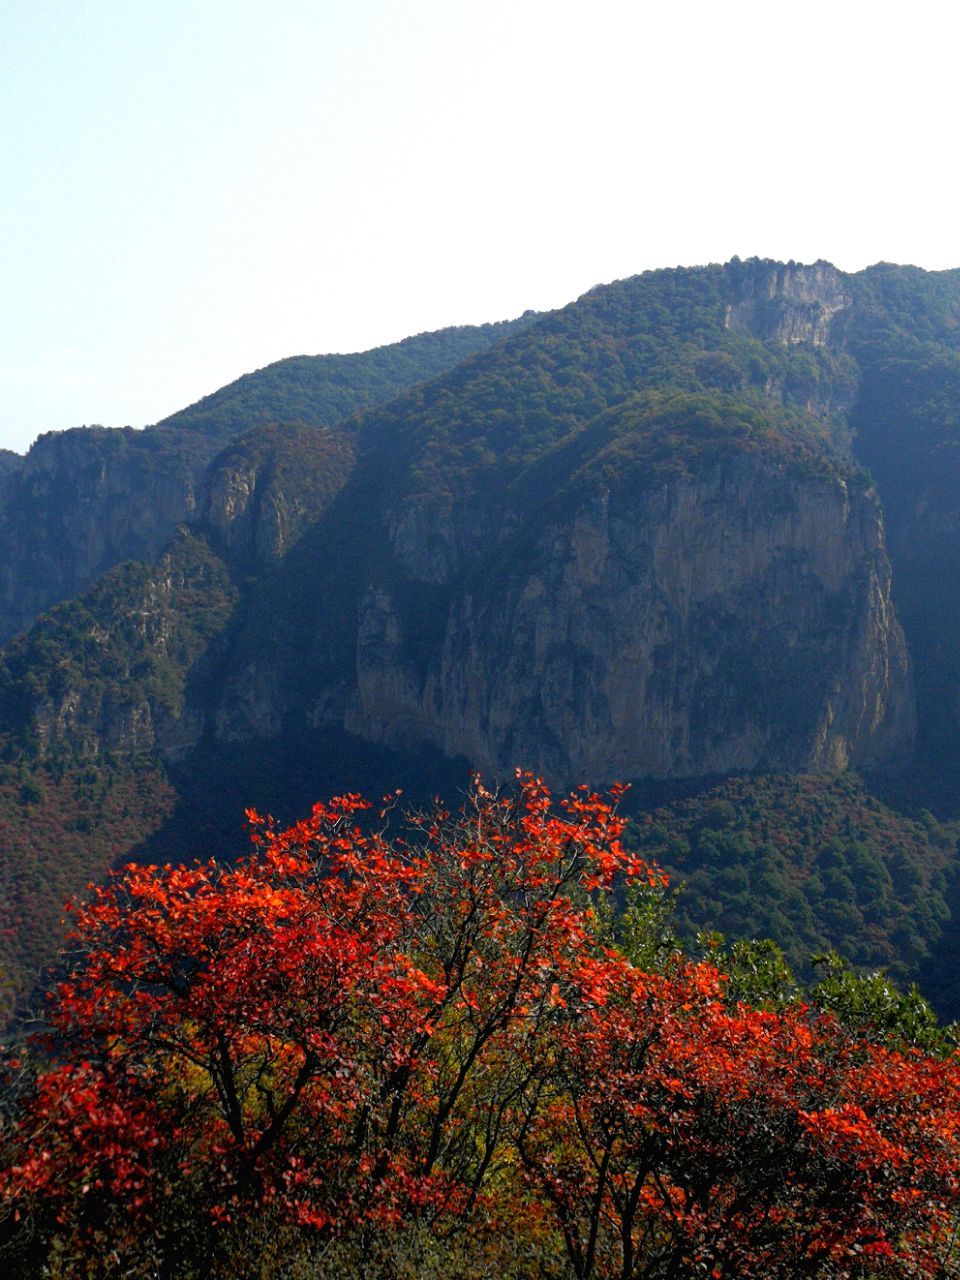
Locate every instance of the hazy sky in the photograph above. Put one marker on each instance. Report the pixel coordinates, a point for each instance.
(194, 188)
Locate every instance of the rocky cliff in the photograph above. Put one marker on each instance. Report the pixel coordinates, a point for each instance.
(618, 542)
(84, 500)
(544, 559)
(108, 674)
(734, 620)
(789, 303)
(264, 491)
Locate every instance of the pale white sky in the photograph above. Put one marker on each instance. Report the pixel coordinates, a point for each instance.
(194, 188)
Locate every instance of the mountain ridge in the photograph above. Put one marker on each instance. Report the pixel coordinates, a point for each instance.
(634, 538)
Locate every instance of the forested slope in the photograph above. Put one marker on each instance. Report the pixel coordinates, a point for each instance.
(698, 523)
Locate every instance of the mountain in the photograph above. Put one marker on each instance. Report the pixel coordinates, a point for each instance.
(622, 542)
(697, 525)
(74, 506)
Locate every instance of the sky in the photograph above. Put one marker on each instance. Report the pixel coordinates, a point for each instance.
(192, 189)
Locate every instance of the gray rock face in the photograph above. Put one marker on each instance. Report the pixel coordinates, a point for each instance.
(87, 499)
(264, 490)
(82, 501)
(791, 304)
(737, 620)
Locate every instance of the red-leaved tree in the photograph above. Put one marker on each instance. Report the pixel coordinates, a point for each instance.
(680, 1136)
(351, 1031)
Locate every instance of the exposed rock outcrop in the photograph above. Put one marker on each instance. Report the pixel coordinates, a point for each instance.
(736, 620)
(263, 491)
(789, 303)
(605, 548)
(84, 500)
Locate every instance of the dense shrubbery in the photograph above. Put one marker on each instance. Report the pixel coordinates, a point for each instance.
(83, 697)
(815, 862)
(436, 1051)
(130, 642)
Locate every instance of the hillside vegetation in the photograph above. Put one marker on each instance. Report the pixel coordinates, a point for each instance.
(670, 530)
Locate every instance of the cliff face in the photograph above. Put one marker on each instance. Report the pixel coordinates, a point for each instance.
(263, 492)
(82, 501)
(789, 303)
(735, 620)
(532, 564)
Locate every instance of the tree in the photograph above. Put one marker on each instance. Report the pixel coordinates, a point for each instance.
(682, 1136)
(361, 1032)
(322, 1028)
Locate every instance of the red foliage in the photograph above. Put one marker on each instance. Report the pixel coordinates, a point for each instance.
(683, 1136)
(347, 1028)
